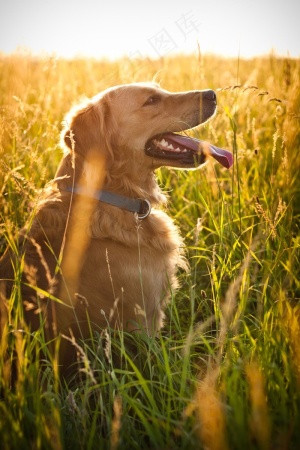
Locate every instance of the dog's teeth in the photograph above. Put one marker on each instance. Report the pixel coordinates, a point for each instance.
(164, 143)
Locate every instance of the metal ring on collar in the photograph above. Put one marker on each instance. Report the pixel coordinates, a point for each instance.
(145, 209)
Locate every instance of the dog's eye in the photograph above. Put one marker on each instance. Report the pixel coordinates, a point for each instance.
(153, 100)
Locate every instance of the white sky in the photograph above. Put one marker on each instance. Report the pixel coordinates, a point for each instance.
(114, 28)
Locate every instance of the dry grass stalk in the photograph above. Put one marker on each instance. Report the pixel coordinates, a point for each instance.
(211, 414)
(281, 208)
(259, 420)
(116, 423)
(262, 212)
(78, 228)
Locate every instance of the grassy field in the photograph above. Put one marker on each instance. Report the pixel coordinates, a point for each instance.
(225, 371)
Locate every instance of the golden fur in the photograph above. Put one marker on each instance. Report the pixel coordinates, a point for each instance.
(99, 260)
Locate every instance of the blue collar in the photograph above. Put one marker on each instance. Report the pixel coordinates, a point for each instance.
(141, 207)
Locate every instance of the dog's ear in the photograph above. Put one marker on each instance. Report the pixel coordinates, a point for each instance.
(89, 128)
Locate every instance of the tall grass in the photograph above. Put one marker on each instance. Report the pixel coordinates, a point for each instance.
(224, 373)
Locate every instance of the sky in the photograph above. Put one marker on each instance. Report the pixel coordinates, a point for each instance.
(115, 28)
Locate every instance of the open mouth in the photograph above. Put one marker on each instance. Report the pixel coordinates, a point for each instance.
(185, 151)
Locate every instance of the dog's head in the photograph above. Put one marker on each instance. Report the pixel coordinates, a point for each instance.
(139, 121)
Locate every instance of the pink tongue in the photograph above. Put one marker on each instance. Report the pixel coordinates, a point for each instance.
(224, 157)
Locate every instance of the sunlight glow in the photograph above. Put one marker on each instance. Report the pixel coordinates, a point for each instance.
(113, 29)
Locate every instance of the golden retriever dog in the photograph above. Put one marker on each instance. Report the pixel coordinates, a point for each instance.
(100, 249)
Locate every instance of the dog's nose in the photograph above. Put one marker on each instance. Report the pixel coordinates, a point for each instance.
(209, 94)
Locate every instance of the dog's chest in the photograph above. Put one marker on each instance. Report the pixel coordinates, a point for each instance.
(132, 261)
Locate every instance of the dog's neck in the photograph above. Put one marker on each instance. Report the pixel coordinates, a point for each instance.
(141, 207)
(123, 182)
